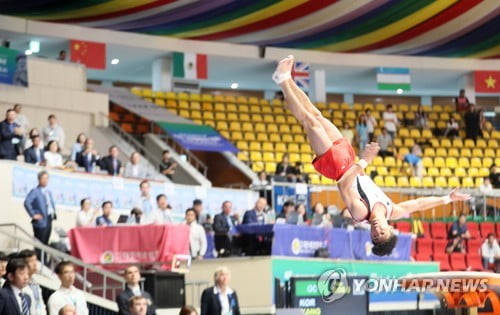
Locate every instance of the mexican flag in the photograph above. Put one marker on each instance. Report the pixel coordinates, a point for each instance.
(190, 65)
(393, 78)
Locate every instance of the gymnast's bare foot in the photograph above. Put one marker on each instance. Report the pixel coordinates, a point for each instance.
(284, 70)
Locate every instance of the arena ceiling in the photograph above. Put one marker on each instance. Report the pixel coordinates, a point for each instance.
(445, 28)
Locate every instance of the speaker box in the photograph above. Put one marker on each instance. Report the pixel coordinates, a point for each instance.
(166, 288)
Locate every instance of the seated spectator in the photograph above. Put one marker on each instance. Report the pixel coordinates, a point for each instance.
(300, 176)
(52, 156)
(256, 215)
(11, 136)
(68, 309)
(321, 218)
(78, 145)
(33, 289)
(133, 168)
(421, 120)
(86, 216)
(472, 123)
(390, 121)
(461, 102)
(3, 270)
(371, 123)
(53, 132)
(362, 135)
(451, 129)
(455, 245)
(188, 310)
(197, 237)
(220, 298)
(414, 159)
(146, 202)
(62, 55)
(224, 222)
(105, 218)
(137, 305)
(29, 142)
(287, 214)
(385, 143)
(301, 211)
(162, 214)
(132, 277)
(490, 251)
(343, 220)
(459, 228)
(347, 133)
(284, 168)
(486, 187)
(167, 166)
(13, 300)
(136, 217)
(35, 154)
(111, 163)
(494, 176)
(67, 292)
(88, 157)
(261, 181)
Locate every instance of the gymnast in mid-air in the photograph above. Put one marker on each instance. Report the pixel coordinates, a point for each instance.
(335, 159)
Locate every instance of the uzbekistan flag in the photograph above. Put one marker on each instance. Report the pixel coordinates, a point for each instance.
(393, 78)
(190, 65)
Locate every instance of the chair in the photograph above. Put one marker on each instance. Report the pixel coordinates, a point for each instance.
(280, 147)
(469, 143)
(466, 153)
(451, 162)
(439, 246)
(463, 162)
(487, 162)
(390, 181)
(424, 245)
(243, 156)
(255, 156)
(268, 146)
(439, 162)
(415, 182)
(379, 181)
(467, 182)
(427, 134)
(457, 261)
(445, 171)
(293, 147)
(382, 171)
(489, 153)
(444, 261)
(423, 257)
(403, 226)
(474, 244)
(427, 162)
(453, 182)
(479, 153)
(438, 230)
(474, 262)
(409, 142)
(486, 228)
(452, 152)
(390, 161)
(433, 171)
(473, 172)
(445, 143)
(458, 143)
(255, 146)
(441, 152)
(403, 182)
(242, 145)
(481, 143)
(492, 144)
(441, 182)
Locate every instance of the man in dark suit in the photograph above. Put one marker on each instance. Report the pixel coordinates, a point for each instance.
(254, 244)
(34, 154)
(41, 208)
(256, 215)
(88, 157)
(223, 224)
(220, 299)
(13, 301)
(132, 277)
(111, 163)
(10, 136)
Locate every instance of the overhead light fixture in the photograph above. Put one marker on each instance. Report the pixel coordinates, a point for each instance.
(399, 91)
(28, 52)
(234, 85)
(34, 46)
(115, 61)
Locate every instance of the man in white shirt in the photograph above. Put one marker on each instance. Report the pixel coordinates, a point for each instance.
(197, 236)
(134, 169)
(146, 202)
(33, 289)
(132, 276)
(21, 119)
(17, 280)
(163, 214)
(67, 293)
(390, 120)
(53, 132)
(490, 251)
(371, 123)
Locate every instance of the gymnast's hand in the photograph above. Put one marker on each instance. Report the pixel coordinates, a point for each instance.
(371, 152)
(455, 195)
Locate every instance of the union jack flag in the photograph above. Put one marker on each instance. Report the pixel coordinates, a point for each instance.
(300, 74)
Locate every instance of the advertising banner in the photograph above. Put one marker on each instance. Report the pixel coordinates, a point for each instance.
(13, 67)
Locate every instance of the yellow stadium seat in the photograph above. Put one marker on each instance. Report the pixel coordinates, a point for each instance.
(320, 105)
(427, 134)
(268, 146)
(309, 168)
(147, 93)
(182, 96)
(444, 116)
(378, 161)
(404, 132)
(403, 108)
(269, 110)
(488, 153)
(433, 116)
(441, 152)
(280, 119)
(270, 167)
(452, 152)
(255, 109)
(458, 143)
(314, 179)
(476, 162)
(397, 142)
(409, 142)
(445, 171)
(481, 143)
(350, 115)
(299, 138)
(479, 181)
(249, 136)
(136, 91)
(416, 182)
(464, 162)
(284, 129)
(233, 126)
(294, 157)
(220, 116)
(306, 158)
(410, 116)
(389, 161)
(184, 113)
(255, 146)
(415, 134)
(208, 115)
(305, 148)
(244, 117)
(211, 123)
(160, 102)
(382, 171)
(484, 172)
(441, 182)
(478, 153)
(231, 108)
(449, 108)
(487, 162)
(334, 105)
(495, 134)
(242, 145)
(357, 107)
(403, 182)
(473, 172)
(195, 105)
(268, 118)
(276, 102)
(194, 97)
(445, 143)
(183, 105)
(256, 118)
(428, 182)
(460, 172)
(297, 129)
(403, 151)
(275, 137)
(236, 135)
(272, 128)
(263, 137)
(465, 153)
(171, 103)
(207, 97)
(286, 138)
(232, 116)
(441, 124)
(293, 147)
(433, 171)
(437, 108)
(326, 181)
(453, 182)
(492, 144)
(429, 152)
(280, 147)
(379, 181)
(263, 101)
(427, 162)
(268, 157)
(243, 156)
(439, 162)
(257, 166)
(248, 126)
(389, 181)
(467, 182)
(219, 98)
(338, 115)
(195, 114)
(451, 162)
(469, 143)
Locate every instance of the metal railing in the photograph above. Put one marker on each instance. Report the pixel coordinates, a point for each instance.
(110, 281)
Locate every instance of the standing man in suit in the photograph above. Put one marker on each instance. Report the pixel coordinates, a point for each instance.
(35, 153)
(13, 301)
(220, 299)
(256, 215)
(254, 244)
(41, 208)
(10, 136)
(132, 277)
(224, 222)
(111, 163)
(88, 157)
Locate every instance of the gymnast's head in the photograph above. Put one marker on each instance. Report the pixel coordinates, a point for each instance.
(383, 238)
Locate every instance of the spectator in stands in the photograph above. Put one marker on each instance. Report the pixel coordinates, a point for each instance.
(284, 168)
(343, 220)
(461, 102)
(459, 228)
(111, 163)
(455, 245)
(67, 292)
(188, 310)
(197, 237)
(494, 176)
(301, 211)
(472, 123)
(200, 216)
(62, 55)
(88, 158)
(137, 305)
(10, 136)
(68, 309)
(371, 123)
(224, 222)
(33, 289)
(167, 166)
(347, 133)
(146, 202)
(414, 159)
(132, 277)
(256, 215)
(299, 175)
(162, 214)
(21, 120)
(86, 216)
(3, 265)
(13, 300)
(451, 128)
(479, 200)
(220, 299)
(52, 155)
(41, 209)
(385, 142)
(53, 131)
(261, 180)
(490, 251)
(321, 218)
(390, 121)
(482, 122)
(362, 132)
(33, 132)
(133, 168)
(35, 154)
(421, 120)
(287, 214)
(105, 218)
(78, 145)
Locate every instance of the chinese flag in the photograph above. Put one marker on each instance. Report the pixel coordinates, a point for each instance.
(91, 54)
(487, 81)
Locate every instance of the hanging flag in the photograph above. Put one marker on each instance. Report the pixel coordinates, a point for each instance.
(300, 74)
(190, 65)
(393, 78)
(487, 81)
(91, 54)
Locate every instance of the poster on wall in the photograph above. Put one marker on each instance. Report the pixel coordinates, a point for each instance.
(13, 67)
